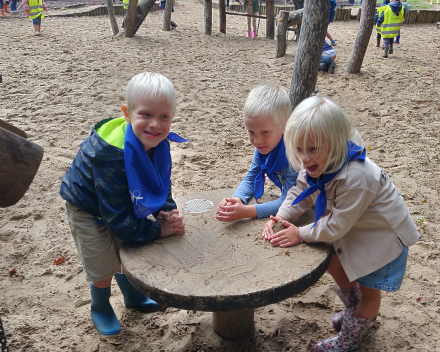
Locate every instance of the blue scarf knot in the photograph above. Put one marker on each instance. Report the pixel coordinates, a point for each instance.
(275, 161)
(148, 180)
(354, 152)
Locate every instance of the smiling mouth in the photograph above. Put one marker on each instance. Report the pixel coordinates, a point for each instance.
(151, 134)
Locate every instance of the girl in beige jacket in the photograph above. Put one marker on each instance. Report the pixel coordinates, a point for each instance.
(357, 208)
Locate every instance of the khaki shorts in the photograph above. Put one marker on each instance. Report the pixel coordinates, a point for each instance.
(97, 248)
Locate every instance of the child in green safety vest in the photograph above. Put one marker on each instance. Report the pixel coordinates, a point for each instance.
(34, 9)
(389, 20)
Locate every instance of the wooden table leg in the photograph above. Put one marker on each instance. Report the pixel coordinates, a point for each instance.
(231, 325)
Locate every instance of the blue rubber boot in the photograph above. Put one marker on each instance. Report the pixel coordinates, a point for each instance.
(134, 299)
(103, 316)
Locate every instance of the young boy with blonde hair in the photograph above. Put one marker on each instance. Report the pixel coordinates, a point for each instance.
(265, 114)
(121, 175)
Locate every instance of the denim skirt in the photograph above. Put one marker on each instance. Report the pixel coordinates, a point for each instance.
(389, 277)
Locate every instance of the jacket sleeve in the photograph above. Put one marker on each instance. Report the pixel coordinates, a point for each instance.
(271, 208)
(381, 19)
(116, 208)
(245, 189)
(351, 202)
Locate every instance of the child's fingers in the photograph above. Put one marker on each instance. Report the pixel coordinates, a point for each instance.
(274, 219)
(286, 223)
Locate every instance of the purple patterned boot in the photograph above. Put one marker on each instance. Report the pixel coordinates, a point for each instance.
(350, 297)
(350, 336)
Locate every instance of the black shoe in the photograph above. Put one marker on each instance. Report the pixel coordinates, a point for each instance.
(173, 25)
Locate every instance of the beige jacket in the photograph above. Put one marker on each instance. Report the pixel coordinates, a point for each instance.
(365, 217)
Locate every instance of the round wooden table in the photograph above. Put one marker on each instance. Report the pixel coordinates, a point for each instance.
(222, 267)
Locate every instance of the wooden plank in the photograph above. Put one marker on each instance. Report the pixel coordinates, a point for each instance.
(222, 266)
(270, 21)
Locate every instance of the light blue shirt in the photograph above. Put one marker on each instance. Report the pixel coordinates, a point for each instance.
(245, 189)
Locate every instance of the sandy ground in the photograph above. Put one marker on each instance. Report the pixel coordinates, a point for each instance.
(57, 86)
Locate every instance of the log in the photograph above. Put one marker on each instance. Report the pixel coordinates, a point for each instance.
(130, 19)
(111, 15)
(270, 20)
(20, 161)
(363, 36)
(438, 25)
(222, 14)
(295, 18)
(281, 42)
(308, 55)
(208, 17)
(231, 325)
(358, 17)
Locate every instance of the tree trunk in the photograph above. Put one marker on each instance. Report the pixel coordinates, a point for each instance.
(130, 19)
(111, 14)
(134, 22)
(208, 17)
(281, 34)
(306, 65)
(166, 20)
(363, 36)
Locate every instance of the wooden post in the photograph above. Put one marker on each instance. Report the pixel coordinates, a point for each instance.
(222, 14)
(208, 17)
(270, 19)
(281, 42)
(305, 68)
(363, 36)
(166, 19)
(231, 325)
(358, 17)
(111, 15)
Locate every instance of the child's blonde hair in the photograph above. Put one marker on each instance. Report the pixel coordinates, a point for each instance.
(268, 100)
(326, 123)
(149, 85)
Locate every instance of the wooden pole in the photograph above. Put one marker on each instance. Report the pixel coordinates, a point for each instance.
(166, 19)
(208, 17)
(270, 19)
(111, 15)
(363, 36)
(222, 14)
(281, 42)
(306, 64)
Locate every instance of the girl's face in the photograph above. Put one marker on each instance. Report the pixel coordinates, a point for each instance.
(313, 159)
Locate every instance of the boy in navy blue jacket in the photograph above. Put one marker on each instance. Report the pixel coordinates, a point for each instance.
(120, 175)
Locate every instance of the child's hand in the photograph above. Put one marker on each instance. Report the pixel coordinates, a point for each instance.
(230, 209)
(287, 237)
(171, 223)
(268, 231)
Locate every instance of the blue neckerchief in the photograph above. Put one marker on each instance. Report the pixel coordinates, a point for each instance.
(148, 180)
(355, 152)
(270, 165)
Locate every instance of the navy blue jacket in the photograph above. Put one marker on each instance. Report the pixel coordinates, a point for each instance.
(96, 182)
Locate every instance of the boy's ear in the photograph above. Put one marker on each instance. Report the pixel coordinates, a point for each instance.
(125, 111)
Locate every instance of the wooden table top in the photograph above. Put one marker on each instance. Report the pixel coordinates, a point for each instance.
(222, 266)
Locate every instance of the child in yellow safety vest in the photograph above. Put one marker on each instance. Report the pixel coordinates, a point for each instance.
(389, 20)
(34, 9)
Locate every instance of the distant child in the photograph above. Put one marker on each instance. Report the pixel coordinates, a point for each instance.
(331, 18)
(328, 57)
(357, 208)
(121, 175)
(34, 9)
(379, 27)
(265, 113)
(390, 19)
(252, 7)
